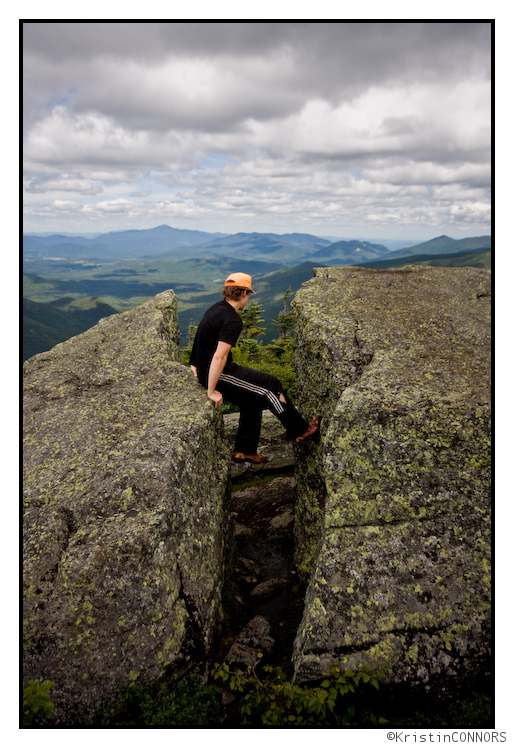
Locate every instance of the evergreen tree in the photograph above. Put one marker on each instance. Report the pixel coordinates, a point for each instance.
(251, 316)
(286, 318)
(191, 334)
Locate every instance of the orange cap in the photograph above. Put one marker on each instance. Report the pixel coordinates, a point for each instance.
(241, 280)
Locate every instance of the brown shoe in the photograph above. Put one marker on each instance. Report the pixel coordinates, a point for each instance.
(313, 429)
(255, 459)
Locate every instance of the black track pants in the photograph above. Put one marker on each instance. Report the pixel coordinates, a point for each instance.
(254, 391)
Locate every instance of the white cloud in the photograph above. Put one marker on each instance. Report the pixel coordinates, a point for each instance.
(61, 183)
(120, 205)
(238, 122)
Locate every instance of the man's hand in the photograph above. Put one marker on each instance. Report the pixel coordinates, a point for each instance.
(217, 365)
(193, 369)
(217, 399)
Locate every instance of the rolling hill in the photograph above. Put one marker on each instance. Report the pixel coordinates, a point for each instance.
(294, 249)
(444, 245)
(479, 258)
(350, 253)
(46, 325)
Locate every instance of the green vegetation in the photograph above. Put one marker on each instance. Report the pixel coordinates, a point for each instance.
(46, 325)
(36, 701)
(474, 258)
(274, 700)
(251, 317)
(268, 696)
(286, 318)
(188, 703)
(267, 699)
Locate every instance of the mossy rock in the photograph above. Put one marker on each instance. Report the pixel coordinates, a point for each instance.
(393, 508)
(125, 511)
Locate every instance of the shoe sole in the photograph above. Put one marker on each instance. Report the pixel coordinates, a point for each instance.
(252, 462)
(300, 439)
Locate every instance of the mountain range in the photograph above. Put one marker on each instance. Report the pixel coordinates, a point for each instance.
(177, 244)
(166, 242)
(70, 282)
(116, 244)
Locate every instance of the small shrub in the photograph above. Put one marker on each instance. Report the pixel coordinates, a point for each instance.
(187, 703)
(275, 359)
(36, 702)
(274, 700)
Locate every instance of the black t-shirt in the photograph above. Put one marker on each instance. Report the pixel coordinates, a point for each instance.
(220, 322)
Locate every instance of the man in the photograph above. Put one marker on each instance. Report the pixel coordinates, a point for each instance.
(251, 390)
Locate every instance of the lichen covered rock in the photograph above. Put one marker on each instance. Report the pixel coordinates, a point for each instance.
(393, 504)
(251, 643)
(125, 512)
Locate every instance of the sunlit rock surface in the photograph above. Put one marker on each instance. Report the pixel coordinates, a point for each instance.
(125, 515)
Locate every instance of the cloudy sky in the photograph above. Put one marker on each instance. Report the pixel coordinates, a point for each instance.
(351, 130)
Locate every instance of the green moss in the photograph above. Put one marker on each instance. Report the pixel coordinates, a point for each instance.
(125, 506)
(398, 365)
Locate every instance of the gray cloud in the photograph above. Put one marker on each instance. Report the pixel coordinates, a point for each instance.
(217, 75)
(312, 107)
(366, 52)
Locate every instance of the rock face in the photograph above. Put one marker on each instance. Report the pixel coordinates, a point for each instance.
(253, 639)
(125, 510)
(393, 505)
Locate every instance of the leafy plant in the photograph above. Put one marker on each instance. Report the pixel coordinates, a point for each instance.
(273, 699)
(188, 703)
(36, 702)
(247, 351)
(472, 710)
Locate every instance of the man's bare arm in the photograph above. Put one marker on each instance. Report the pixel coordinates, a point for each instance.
(217, 365)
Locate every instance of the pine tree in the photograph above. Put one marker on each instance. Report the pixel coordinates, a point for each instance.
(286, 318)
(251, 316)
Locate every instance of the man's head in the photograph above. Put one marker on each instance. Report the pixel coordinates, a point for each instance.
(238, 287)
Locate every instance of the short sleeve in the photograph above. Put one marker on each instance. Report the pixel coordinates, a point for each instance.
(230, 331)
